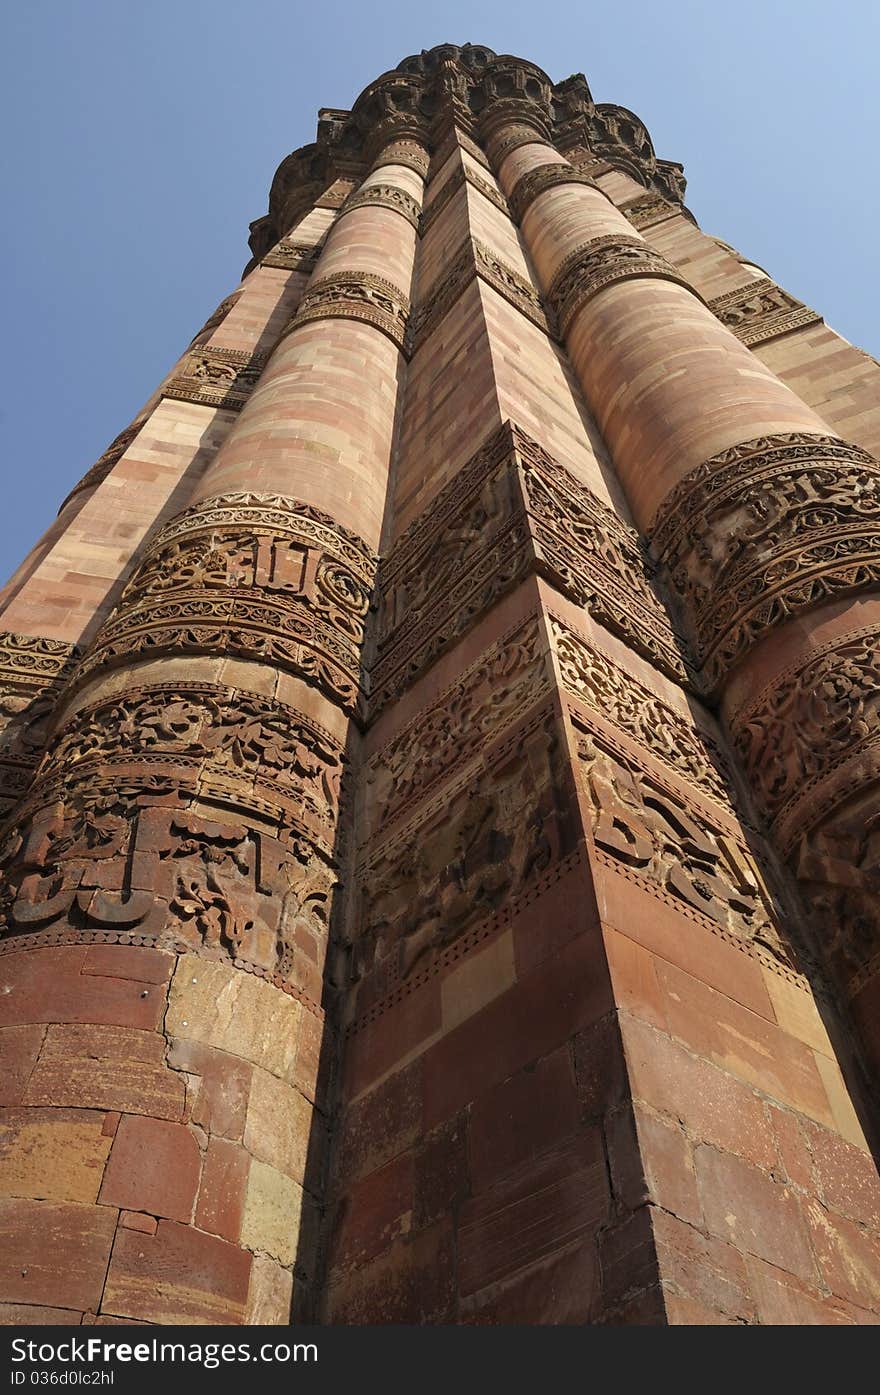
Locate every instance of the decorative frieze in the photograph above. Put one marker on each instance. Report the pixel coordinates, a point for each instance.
(356, 295)
(763, 531)
(511, 511)
(651, 833)
(602, 262)
(288, 255)
(648, 209)
(217, 377)
(257, 576)
(410, 153)
(475, 259)
(505, 682)
(594, 680)
(536, 181)
(812, 737)
(761, 311)
(385, 196)
(33, 671)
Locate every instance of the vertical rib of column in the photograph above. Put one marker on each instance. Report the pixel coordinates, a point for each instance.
(179, 853)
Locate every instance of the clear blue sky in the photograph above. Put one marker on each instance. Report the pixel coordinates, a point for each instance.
(141, 139)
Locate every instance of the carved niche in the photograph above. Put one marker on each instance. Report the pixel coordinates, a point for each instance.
(763, 531)
(511, 511)
(32, 674)
(257, 576)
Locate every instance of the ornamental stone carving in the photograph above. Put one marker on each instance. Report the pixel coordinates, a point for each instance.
(288, 255)
(33, 671)
(763, 531)
(535, 181)
(256, 576)
(602, 262)
(475, 259)
(385, 196)
(217, 378)
(761, 311)
(356, 295)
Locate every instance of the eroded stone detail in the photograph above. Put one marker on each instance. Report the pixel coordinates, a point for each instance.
(257, 576)
(288, 255)
(648, 209)
(763, 531)
(602, 262)
(217, 377)
(761, 311)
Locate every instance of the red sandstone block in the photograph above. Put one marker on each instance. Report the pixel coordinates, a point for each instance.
(136, 1220)
(846, 1176)
(222, 1098)
(628, 1258)
(311, 1072)
(377, 1049)
(794, 1156)
(634, 979)
(713, 1106)
(682, 1311)
(178, 1275)
(49, 985)
(224, 1189)
(106, 1068)
(848, 1256)
(712, 1025)
(679, 941)
(559, 1292)
(19, 1049)
(651, 1160)
(377, 1210)
(560, 998)
(411, 1283)
(599, 1067)
(783, 1301)
(524, 1116)
(747, 1208)
(23, 1315)
(559, 1200)
(705, 1269)
(54, 1253)
(564, 912)
(381, 1123)
(129, 961)
(442, 1180)
(154, 1166)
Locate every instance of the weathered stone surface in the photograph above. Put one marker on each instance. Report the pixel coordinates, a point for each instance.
(272, 1213)
(54, 1253)
(178, 1275)
(52, 1154)
(155, 1167)
(235, 1012)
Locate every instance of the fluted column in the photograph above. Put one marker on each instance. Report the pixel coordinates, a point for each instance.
(765, 523)
(183, 836)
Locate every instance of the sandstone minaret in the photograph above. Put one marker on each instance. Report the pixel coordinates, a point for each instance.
(440, 775)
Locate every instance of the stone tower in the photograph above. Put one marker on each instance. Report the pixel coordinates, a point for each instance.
(441, 832)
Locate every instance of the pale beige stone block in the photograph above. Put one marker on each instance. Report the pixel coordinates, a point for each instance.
(236, 1012)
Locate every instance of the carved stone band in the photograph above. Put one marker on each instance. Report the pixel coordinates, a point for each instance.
(764, 530)
(812, 737)
(647, 210)
(601, 262)
(535, 182)
(356, 295)
(293, 256)
(404, 152)
(260, 577)
(385, 196)
(32, 675)
(217, 378)
(761, 311)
